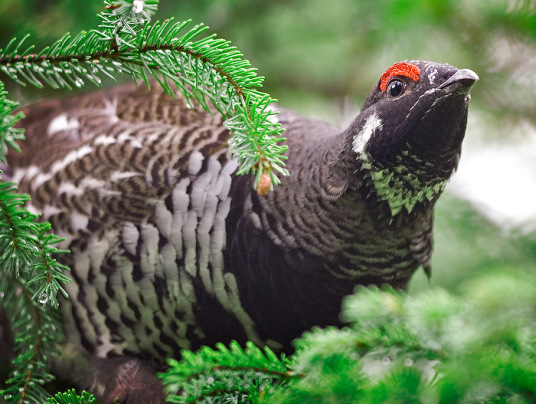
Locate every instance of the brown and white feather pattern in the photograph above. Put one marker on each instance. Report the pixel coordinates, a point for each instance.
(142, 205)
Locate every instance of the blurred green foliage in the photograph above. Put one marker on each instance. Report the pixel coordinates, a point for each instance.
(313, 51)
(433, 347)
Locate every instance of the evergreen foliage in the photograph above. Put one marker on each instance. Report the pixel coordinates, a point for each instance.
(207, 69)
(433, 347)
(70, 397)
(8, 133)
(29, 281)
(224, 374)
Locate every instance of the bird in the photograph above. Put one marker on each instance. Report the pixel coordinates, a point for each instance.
(171, 250)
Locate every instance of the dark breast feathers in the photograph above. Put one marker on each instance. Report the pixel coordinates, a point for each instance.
(171, 250)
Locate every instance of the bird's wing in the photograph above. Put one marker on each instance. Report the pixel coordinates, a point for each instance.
(138, 185)
(112, 154)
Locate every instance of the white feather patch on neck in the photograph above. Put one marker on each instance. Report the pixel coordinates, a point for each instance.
(362, 138)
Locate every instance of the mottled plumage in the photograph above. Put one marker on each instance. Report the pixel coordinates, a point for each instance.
(170, 250)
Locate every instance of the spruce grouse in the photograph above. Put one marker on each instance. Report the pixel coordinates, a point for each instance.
(171, 250)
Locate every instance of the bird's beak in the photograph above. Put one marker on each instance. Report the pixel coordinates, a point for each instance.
(461, 81)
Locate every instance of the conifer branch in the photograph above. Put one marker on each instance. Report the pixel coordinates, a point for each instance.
(229, 374)
(432, 347)
(208, 68)
(30, 279)
(8, 133)
(70, 397)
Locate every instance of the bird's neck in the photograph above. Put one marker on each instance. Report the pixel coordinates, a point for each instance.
(328, 209)
(401, 186)
(405, 182)
(317, 235)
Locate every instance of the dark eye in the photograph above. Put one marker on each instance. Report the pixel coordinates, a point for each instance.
(396, 88)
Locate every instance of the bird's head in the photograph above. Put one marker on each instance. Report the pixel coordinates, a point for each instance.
(409, 133)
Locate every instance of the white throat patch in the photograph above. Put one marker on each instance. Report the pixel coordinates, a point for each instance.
(361, 140)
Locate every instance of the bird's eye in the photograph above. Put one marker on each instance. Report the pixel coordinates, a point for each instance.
(396, 88)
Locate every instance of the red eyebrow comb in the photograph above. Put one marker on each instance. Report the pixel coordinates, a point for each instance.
(400, 69)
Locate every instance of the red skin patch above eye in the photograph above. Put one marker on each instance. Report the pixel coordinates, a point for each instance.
(400, 69)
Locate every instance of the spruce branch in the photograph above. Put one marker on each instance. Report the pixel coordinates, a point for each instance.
(35, 343)
(29, 280)
(70, 397)
(224, 374)
(206, 69)
(8, 133)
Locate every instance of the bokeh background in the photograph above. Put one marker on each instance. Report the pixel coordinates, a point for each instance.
(321, 58)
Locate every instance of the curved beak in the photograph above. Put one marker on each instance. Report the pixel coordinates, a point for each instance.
(461, 81)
